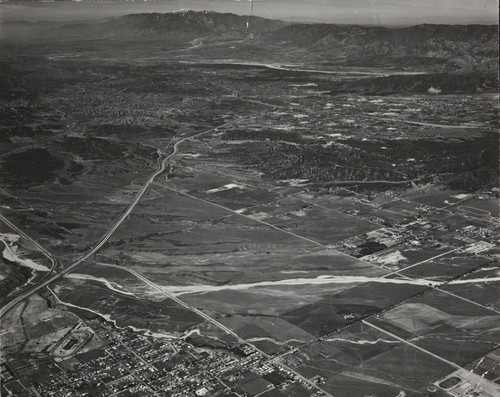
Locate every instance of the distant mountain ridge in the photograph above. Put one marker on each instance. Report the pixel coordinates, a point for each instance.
(451, 47)
(196, 22)
(185, 24)
(440, 48)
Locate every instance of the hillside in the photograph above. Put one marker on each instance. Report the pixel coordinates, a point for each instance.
(187, 23)
(435, 47)
(429, 48)
(183, 25)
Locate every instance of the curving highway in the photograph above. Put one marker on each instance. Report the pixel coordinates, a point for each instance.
(162, 165)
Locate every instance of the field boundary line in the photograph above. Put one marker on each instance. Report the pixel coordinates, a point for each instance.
(456, 366)
(211, 320)
(421, 262)
(468, 300)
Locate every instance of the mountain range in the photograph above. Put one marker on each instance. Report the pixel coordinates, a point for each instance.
(440, 48)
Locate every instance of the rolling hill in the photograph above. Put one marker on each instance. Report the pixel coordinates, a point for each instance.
(430, 48)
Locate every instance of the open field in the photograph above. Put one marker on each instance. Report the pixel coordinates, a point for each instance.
(337, 310)
(255, 300)
(469, 330)
(174, 226)
(438, 198)
(269, 214)
(446, 267)
(357, 207)
(485, 293)
(316, 223)
(380, 364)
(126, 311)
(36, 324)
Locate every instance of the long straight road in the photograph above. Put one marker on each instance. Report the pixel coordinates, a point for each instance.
(218, 325)
(97, 246)
(450, 363)
(161, 168)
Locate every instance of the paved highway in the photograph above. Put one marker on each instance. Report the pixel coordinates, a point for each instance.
(218, 325)
(39, 141)
(48, 280)
(161, 168)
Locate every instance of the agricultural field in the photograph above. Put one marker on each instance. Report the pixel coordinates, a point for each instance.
(470, 330)
(189, 208)
(34, 326)
(126, 310)
(337, 310)
(485, 293)
(446, 267)
(371, 357)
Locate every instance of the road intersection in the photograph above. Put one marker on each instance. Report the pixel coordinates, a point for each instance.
(53, 276)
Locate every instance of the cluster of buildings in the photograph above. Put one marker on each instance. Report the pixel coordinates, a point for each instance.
(424, 225)
(130, 364)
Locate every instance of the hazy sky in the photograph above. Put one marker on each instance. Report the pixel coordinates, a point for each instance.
(384, 12)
